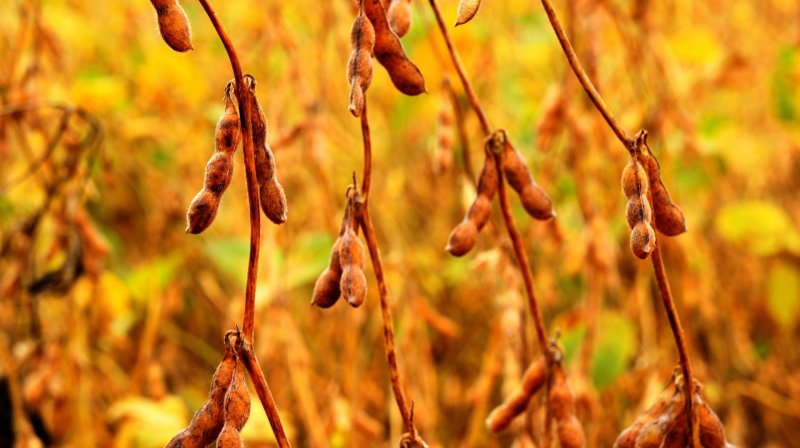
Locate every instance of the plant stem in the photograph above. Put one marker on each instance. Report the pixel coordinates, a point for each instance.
(386, 311)
(253, 367)
(462, 72)
(580, 73)
(519, 251)
(677, 331)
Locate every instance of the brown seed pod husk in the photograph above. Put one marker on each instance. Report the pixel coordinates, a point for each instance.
(465, 235)
(669, 217)
(533, 379)
(202, 211)
(628, 437)
(390, 53)
(480, 211)
(467, 10)
(560, 399)
(643, 240)
(535, 201)
(351, 251)
(570, 433)
(209, 419)
(229, 130)
(638, 210)
(462, 239)
(327, 289)
(487, 182)
(273, 200)
(219, 172)
(237, 399)
(634, 179)
(173, 25)
(353, 285)
(229, 437)
(399, 16)
(359, 68)
(712, 435)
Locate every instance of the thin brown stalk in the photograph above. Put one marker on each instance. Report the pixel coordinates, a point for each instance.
(462, 72)
(253, 367)
(519, 251)
(580, 73)
(677, 331)
(365, 221)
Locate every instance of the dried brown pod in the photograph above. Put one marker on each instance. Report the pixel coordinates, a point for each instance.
(390, 53)
(229, 437)
(467, 10)
(359, 68)
(399, 16)
(532, 380)
(669, 217)
(570, 433)
(634, 179)
(326, 290)
(643, 240)
(219, 172)
(638, 210)
(552, 118)
(273, 200)
(209, 419)
(237, 399)
(353, 284)
(560, 399)
(464, 236)
(445, 132)
(712, 435)
(202, 211)
(173, 24)
(535, 201)
(229, 130)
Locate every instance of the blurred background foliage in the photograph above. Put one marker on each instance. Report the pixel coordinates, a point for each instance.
(112, 318)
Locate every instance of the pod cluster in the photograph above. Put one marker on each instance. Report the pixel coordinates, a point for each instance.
(639, 214)
(535, 201)
(219, 169)
(359, 68)
(665, 424)
(209, 420)
(344, 276)
(173, 24)
(270, 192)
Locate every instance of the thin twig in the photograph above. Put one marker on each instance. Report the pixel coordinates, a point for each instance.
(580, 73)
(519, 247)
(462, 72)
(253, 367)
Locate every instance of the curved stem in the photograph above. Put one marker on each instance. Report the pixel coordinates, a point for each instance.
(366, 181)
(365, 220)
(253, 368)
(519, 252)
(677, 332)
(462, 72)
(580, 73)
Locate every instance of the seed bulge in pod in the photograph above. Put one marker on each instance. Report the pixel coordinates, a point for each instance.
(173, 25)
(327, 289)
(354, 285)
(634, 179)
(219, 172)
(273, 201)
(480, 211)
(570, 433)
(228, 131)
(638, 210)
(536, 202)
(560, 399)
(202, 211)
(643, 240)
(462, 239)
(399, 16)
(237, 399)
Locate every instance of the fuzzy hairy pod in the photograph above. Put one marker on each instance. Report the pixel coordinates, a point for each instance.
(229, 129)
(467, 10)
(399, 16)
(173, 25)
(273, 200)
(359, 68)
(209, 419)
(532, 380)
(219, 172)
(669, 217)
(535, 201)
(353, 283)
(327, 289)
(202, 211)
(237, 399)
(634, 179)
(229, 437)
(465, 235)
(390, 53)
(643, 240)
(638, 210)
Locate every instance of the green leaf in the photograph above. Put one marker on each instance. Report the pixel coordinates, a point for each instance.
(614, 348)
(307, 259)
(762, 227)
(783, 295)
(230, 255)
